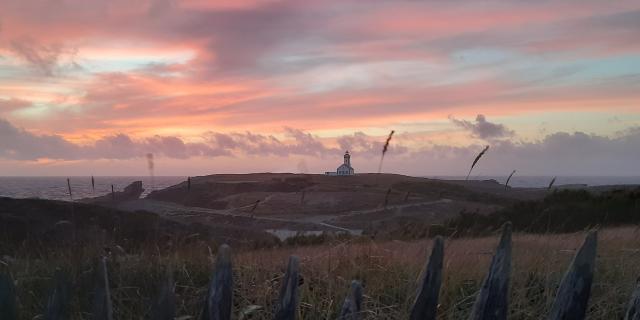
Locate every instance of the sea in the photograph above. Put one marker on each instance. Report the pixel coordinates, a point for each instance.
(55, 188)
(544, 181)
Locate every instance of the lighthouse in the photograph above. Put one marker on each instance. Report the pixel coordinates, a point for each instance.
(345, 169)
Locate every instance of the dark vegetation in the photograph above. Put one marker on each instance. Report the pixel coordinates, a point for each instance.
(434, 190)
(38, 225)
(212, 194)
(560, 211)
(325, 238)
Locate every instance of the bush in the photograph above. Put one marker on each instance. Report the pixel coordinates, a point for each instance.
(561, 211)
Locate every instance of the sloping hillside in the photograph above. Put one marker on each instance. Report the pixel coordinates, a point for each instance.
(47, 223)
(278, 194)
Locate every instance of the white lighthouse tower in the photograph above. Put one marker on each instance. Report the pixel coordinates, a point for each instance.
(345, 169)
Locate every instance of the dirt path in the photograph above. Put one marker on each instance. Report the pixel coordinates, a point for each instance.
(175, 210)
(322, 222)
(395, 207)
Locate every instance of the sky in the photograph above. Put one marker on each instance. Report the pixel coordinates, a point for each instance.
(90, 87)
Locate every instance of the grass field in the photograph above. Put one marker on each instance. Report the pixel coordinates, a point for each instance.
(388, 270)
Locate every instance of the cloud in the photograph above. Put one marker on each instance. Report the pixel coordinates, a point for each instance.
(158, 63)
(327, 66)
(8, 105)
(44, 58)
(122, 146)
(362, 143)
(239, 39)
(297, 142)
(19, 144)
(482, 128)
(560, 153)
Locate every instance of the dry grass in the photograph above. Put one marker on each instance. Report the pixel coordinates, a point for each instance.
(388, 270)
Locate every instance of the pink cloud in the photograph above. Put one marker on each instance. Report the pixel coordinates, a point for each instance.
(259, 66)
(557, 153)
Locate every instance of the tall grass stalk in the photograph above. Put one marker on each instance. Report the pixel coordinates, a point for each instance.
(385, 148)
(151, 166)
(475, 161)
(506, 184)
(73, 212)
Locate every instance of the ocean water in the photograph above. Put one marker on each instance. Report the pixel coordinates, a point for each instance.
(55, 188)
(543, 181)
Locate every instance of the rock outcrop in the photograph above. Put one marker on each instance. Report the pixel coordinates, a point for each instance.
(130, 192)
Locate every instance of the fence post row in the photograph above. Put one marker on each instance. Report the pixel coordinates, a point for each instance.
(218, 303)
(7, 297)
(164, 307)
(425, 305)
(352, 305)
(57, 304)
(633, 310)
(491, 301)
(102, 306)
(287, 306)
(575, 288)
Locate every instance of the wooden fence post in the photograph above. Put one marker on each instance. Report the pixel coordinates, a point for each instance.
(102, 307)
(164, 307)
(218, 305)
(493, 302)
(288, 299)
(7, 297)
(633, 310)
(58, 303)
(352, 305)
(573, 295)
(425, 305)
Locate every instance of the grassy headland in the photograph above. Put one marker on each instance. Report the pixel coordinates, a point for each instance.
(39, 238)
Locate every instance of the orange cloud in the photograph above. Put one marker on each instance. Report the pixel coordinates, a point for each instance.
(90, 69)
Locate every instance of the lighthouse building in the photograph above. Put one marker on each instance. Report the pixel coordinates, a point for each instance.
(344, 169)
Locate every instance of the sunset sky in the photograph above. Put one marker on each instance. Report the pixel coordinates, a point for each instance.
(89, 87)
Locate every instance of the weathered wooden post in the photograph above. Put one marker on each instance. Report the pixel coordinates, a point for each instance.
(492, 302)
(7, 298)
(69, 189)
(73, 212)
(352, 305)
(573, 295)
(164, 307)
(288, 300)
(188, 183)
(425, 305)
(219, 296)
(633, 310)
(102, 306)
(58, 303)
